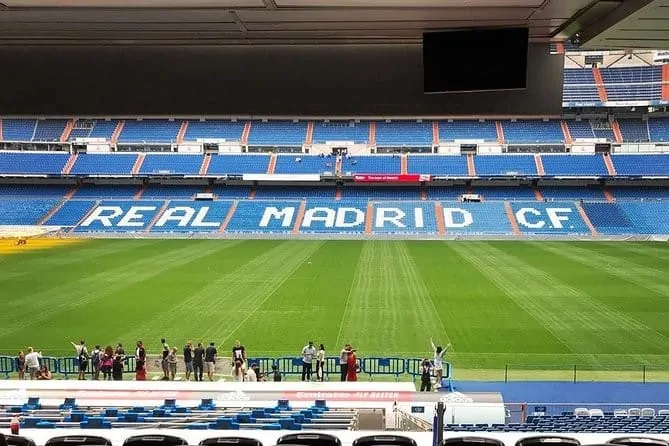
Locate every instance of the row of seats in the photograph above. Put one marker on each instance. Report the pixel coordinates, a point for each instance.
(619, 83)
(449, 193)
(38, 163)
(317, 215)
(386, 133)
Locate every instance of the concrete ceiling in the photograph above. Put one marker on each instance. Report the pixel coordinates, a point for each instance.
(631, 26)
(231, 22)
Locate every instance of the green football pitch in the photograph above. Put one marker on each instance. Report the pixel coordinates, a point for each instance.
(520, 309)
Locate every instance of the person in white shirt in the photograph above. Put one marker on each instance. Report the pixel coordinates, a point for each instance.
(308, 353)
(32, 362)
(82, 358)
(251, 375)
(320, 363)
(439, 361)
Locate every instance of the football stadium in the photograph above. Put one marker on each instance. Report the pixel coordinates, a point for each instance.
(334, 223)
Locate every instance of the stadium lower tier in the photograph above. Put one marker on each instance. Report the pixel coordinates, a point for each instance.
(320, 216)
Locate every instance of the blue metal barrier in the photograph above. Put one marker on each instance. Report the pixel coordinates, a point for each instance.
(130, 365)
(68, 366)
(265, 364)
(290, 366)
(383, 366)
(331, 367)
(413, 368)
(52, 363)
(7, 364)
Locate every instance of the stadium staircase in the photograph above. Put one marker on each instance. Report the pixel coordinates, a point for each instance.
(65, 136)
(586, 219)
(182, 131)
(665, 84)
(565, 131)
(1, 134)
(166, 203)
(537, 194)
(611, 169)
(228, 217)
(512, 218)
(206, 161)
(439, 213)
(369, 218)
(52, 212)
(423, 193)
(500, 132)
(309, 139)
(271, 167)
(117, 132)
(615, 127)
(338, 193)
(70, 163)
(140, 192)
(372, 133)
(338, 164)
(300, 217)
(599, 83)
(403, 163)
(252, 193)
(471, 168)
(138, 164)
(609, 195)
(245, 133)
(435, 133)
(539, 164)
(84, 217)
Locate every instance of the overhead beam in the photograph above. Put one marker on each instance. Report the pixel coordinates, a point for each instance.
(592, 31)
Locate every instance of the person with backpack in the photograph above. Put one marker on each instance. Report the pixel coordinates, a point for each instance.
(82, 358)
(96, 356)
(106, 362)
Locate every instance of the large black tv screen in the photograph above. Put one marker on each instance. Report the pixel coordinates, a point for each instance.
(475, 60)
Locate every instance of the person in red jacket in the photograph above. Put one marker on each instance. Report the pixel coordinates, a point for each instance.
(352, 369)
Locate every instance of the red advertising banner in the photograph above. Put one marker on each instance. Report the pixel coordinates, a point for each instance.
(376, 178)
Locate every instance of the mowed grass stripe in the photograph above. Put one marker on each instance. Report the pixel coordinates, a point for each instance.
(655, 251)
(57, 262)
(389, 306)
(635, 334)
(62, 302)
(486, 327)
(309, 305)
(222, 303)
(551, 302)
(589, 317)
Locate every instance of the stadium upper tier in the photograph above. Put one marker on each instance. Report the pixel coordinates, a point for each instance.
(296, 133)
(218, 165)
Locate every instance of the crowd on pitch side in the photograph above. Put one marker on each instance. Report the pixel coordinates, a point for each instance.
(109, 363)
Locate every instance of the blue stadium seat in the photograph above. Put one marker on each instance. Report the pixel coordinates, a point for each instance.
(171, 164)
(103, 129)
(304, 164)
(443, 165)
(104, 164)
(214, 129)
(381, 193)
(648, 165)
(324, 131)
(209, 214)
(101, 191)
(24, 211)
(171, 191)
(523, 131)
(658, 129)
(505, 192)
(30, 163)
(505, 165)
(634, 130)
(33, 190)
(49, 129)
(371, 164)
(277, 133)
(404, 133)
(453, 130)
(639, 192)
(238, 164)
(70, 213)
(18, 129)
(150, 131)
(572, 193)
(476, 218)
(574, 165)
(580, 129)
(294, 192)
(608, 218)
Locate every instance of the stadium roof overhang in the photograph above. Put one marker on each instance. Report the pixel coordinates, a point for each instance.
(633, 24)
(232, 22)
